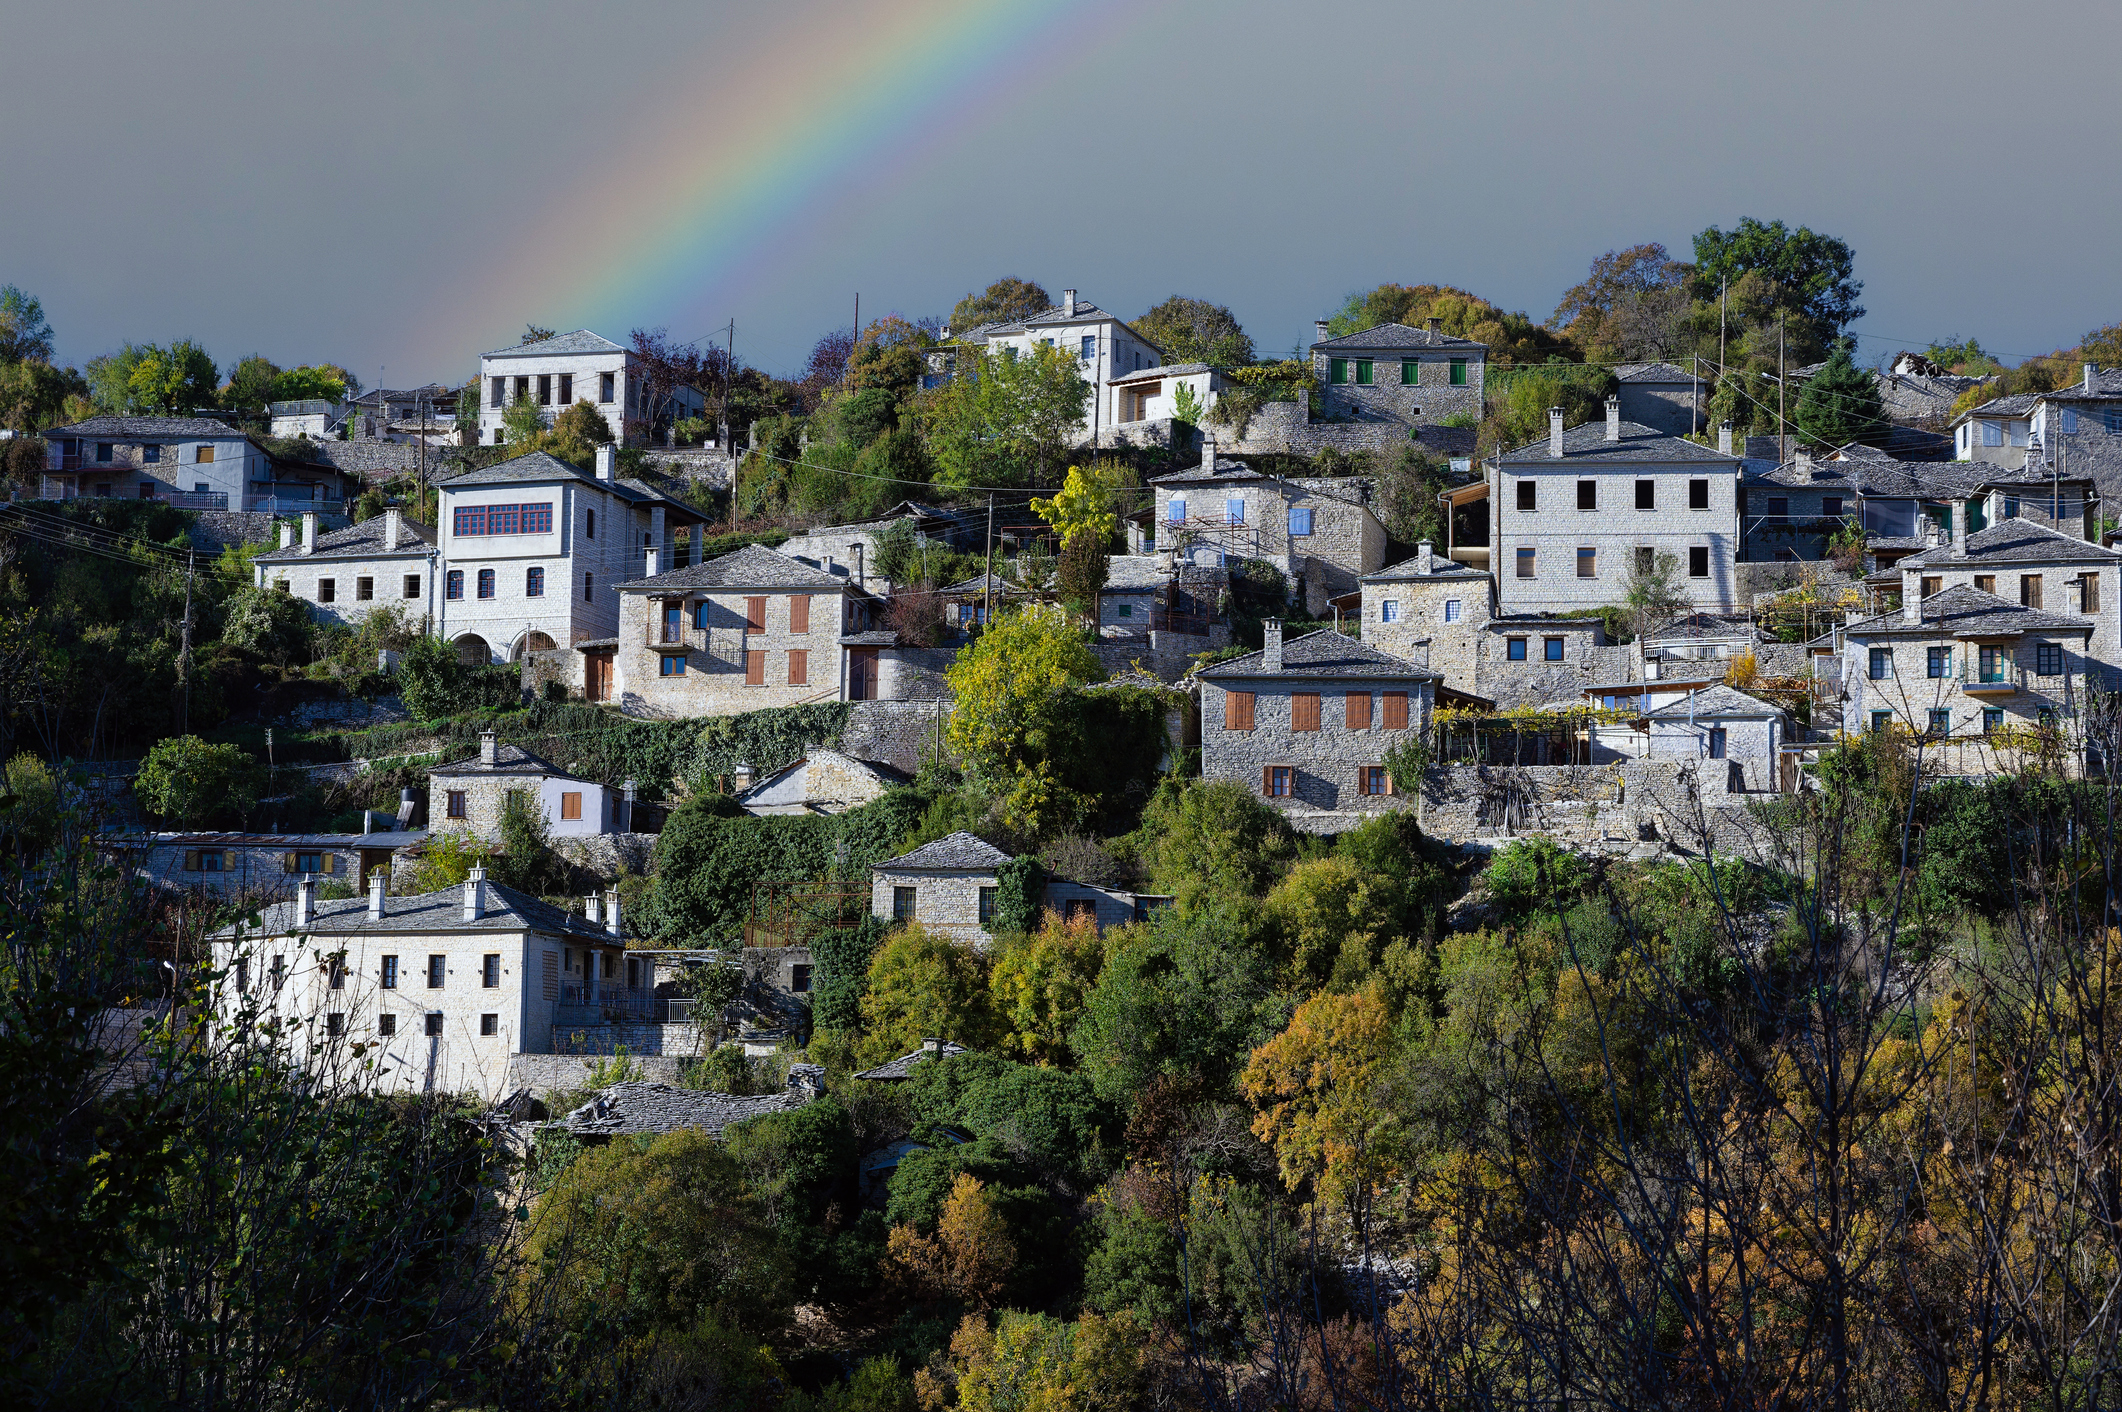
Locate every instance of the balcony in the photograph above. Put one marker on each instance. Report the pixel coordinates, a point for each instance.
(620, 1005)
(195, 500)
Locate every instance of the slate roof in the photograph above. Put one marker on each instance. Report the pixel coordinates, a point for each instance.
(1409, 570)
(508, 760)
(1694, 627)
(391, 839)
(580, 341)
(356, 542)
(1586, 442)
(2106, 383)
(181, 428)
(1717, 701)
(960, 852)
(2016, 405)
(903, 1066)
(1169, 370)
(1324, 653)
(630, 1108)
(439, 911)
(1962, 611)
(753, 566)
(2014, 542)
(1653, 372)
(979, 583)
(1386, 337)
(1135, 573)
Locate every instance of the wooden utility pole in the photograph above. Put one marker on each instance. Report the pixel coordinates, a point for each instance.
(1782, 389)
(729, 383)
(987, 581)
(184, 660)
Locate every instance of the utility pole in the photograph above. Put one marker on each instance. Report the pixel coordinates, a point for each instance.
(184, 661)
(1782, 391)
(854, 341)
(987, 581)
(729, 382)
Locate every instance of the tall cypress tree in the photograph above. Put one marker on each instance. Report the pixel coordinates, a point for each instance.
(1841, 403)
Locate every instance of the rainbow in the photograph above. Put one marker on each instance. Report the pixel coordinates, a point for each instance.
(707, 197)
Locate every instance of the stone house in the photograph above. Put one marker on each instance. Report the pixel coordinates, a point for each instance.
(2036, 567)
(469, 795)
(451, 986)
(1663, 397)
(558, 372)
(344, 575)
(193, 463)
(822, 782)
(2076, 430)
(256, 863)
(1996, 432)
(1321, 533)
(1106, 347)
(950, 887)
(1152, 394)
(1718, 723)
(1308, 724)
(753, 628)
(534, 549)
(1570, 516)
(400, 415)
(1394, 373)
(1963, 663)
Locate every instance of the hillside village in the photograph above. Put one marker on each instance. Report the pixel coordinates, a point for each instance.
(1075, 819)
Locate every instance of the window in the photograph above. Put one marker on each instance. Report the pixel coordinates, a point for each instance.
(799, 666)
(501, 519)
(390, 973)
(147, 490)
(1937, 662)
(486, 583)
(2111, 419)
(490, 970)
(589, 524)
(364, 589)
(309, 862)
(1646, 495)
(205, 456)
(327, 590)
(1458, 372)
(571, 804)
(1941, 720)
(1337, 371)
(435, 967)
(987, 905)
(1278, 781)
(496, 392)
(1992, 719)
(1716, 742)
(567, 389)
(1234, 510)
(1410, 372)
(243, 975)
(335, 1023)
(2011, 507)
(755, 615)
(700, 615)
(799, 613)
(1304, 711)
(456, 803)
(1527, 564)
(754, 666)
(1992, 434)
(604, 387)
(454, 585)
(545, 389)
(1528, 495)
(1698, 495)
(1587, 495)
(1514, 649)
(1125, 610)
(1372, 779)
(1395, 704)
(1389, 611)
(1935, 583)
(1175, 510)
(2048, 659)
(1300, 519)
(1882, 663)
(2089, 593)
(2029, 590)
(2018, 433)
(902, 904)
(671, 664)
(1355, 710)
(1363, 372)
(589, 587)
(1831, 506)
(1452, 609)
(1551, 648)
(1990, 664)
(1237, 710)
(1090, 347)
(489, 1024)
(500, 435)
(1587, 563)
(1779, 507)
(434, 1022)
(386, 1024)
(337, 973)
(1646, 560)
(1879, 721)
(2069, 420)
(673, 620)
(1698, 562)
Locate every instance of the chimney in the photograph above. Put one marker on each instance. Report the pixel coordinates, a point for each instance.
(2092, 378)
(1724, 438)
(309, 531)
(287, 535)
(475, 895)
(826, 563)
(1554, 431)
(489, 748)
(392, 521)
(1208, 452)
(611, 911)
(1613, 419)
(649, 568)
(1436, 327)
(1429, 560)
(1320, 326)
(1068, 303)
(1912, 597)
(1803, 461)
(408, 805)
(861, 579)
(628, 792)
(607, 459)
(590, 908)
(741, 776)
(368, 821)
(376, 880)
(1959, 518)
(1272, 657)
(306, 902)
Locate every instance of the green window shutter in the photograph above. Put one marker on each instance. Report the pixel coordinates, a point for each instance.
(1363, 372)
(1410, 373)
(287, 862)
(1337, 371)
(1458, 372)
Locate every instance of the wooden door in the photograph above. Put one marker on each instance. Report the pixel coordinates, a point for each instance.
(862, 674)
(597, 676)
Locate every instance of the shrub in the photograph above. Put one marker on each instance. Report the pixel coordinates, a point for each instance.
(187, 781)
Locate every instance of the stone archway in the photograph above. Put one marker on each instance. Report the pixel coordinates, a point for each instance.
(472, 650)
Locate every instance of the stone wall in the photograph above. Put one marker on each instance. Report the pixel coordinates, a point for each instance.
(708, 465)
(1641, 807)
(214, 530)
(542, 1073)
(609, 854)
(382, 460)
(1288, 428)
(679, 1041)
(717, 648)
(1328, 763)
(947, 904)
(900, 734)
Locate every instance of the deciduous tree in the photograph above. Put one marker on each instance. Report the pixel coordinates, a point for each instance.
(1813, 275)
(1007, 686)
(1196, 331)
(1006, 416)
(1314, 1089)
(1007, 298)
(187, 781)
(922, 984)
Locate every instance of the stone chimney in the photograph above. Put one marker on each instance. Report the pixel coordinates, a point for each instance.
(1429, 560)
(306, 902)
(1436, 327)
(861, 577)
(309, 531)
(1912, 597)
(607, 459)
(1068, 303)
(649, 567)
(376, 880)
(393, 521)
(628, 792)
(611, 911)
(1724, 438)
(1613, 419)
(2092, 378)
(741, 776)
(1959, 517)
(489, 748)
(1319, 325)
(287, 535)
(1208, 452)
(1554, 431)
(1271, 658)
(475, 895)
(592, 908)
(1802, 459)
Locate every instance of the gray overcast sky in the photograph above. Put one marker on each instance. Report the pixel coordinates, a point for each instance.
(349, 183)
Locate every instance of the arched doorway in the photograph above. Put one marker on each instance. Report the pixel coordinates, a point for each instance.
(472, 650)
(530, 642)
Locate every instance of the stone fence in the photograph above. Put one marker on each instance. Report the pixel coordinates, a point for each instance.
(1637, 807)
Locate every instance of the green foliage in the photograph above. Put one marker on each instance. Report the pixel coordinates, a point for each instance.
(1633, 304)
(1020, 894)
(524, 859)
(446, 861)
(1184, 993)
(1812, 274)
(1407, 490)
(1006, 418)
(25, 334)
(1007, 298)
(1085, 566)
(1840, 403)
(1054, 1121)
(33, 396)
(1202, 841)
(1529, 875)
(148, 379)
(840, 957)
(1968, 358)
(1196, 331)
(1008, 686)
(434, 682)
(801, 1166)
(274, 625)
(925, 985)
(188, 782)
(1511, 338)
(1518, 401)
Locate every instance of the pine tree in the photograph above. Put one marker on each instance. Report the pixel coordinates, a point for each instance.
(1840, 404)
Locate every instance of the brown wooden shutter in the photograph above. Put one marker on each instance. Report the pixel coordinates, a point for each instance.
(1304, 711)
(1267, 779)
(228, 862)
(799, 664)
(552, 976)
(191, 861)
(1396, 710)
(799, 613)
(755, 615)
(331, 864)
(754, 666)
(287, 862)
(1359, 710)
(1237, 710)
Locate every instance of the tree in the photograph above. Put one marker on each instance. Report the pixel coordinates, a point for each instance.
(1182, 995)
(1040, 982)
(1203, 841)
(1007, 298)
(188, 781)
(522, 425)
(1633, 304)
(324, 382)
(525, 859)
(1087, 501)
(25, 335)
(828, 358)
(1085, 563)
(1033, 1361)
(922, 985)
(1005, 685)
(534, 333)
(34, 395)
(1002, 410)
(1511, 338)
(274, 625)
(252, 384)
(1314, 1089)
(576, 434)
(1196, 331)
(1812, 275)
(970, 1256)
(1840, 403)
(148, 378)
(1652, 592)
